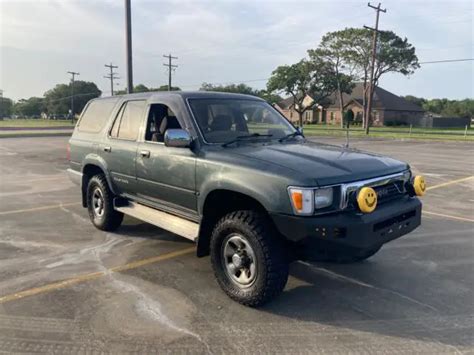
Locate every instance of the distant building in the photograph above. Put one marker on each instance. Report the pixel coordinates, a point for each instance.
(388, 108)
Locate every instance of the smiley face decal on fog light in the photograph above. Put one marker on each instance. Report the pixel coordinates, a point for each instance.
(419, 185)
(367, 199)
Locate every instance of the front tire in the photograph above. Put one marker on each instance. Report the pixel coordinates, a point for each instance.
(100, 205)
(248, 258)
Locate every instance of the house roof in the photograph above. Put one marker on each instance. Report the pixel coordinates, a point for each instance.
(285, 104)
(383, 99)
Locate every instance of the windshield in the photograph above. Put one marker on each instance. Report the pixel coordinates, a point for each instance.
(224, 120)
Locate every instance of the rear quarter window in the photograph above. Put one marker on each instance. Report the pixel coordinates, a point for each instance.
(96, 115)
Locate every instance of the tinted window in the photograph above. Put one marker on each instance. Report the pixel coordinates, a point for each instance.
(96, 115)
(128, 120)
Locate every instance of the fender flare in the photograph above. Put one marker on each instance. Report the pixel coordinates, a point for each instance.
(95, 160)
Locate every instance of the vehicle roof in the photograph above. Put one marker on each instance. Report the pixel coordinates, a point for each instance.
(187, 95)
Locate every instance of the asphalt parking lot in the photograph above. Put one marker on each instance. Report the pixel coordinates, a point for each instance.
(67, 287)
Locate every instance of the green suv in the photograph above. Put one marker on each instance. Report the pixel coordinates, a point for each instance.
(229, 172)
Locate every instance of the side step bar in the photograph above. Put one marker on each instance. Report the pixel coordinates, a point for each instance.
(167, 221)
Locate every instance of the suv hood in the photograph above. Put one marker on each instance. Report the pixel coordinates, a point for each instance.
(327, 164)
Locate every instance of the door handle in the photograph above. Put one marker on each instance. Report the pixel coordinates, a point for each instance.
(107, 149)
(145, 153)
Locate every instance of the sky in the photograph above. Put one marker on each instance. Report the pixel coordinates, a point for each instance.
(220, 41)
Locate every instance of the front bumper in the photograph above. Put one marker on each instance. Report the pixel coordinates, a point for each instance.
(352, 230)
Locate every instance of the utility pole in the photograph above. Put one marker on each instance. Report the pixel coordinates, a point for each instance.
(171, 67)
(111, 76)
(73, 75)
(128, 45)
(372, 66)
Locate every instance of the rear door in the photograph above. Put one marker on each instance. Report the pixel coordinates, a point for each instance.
(119, 149)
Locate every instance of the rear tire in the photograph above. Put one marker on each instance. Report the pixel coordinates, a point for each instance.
(100, 205)
(248, 258)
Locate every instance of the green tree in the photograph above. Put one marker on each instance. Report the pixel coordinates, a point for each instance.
(234, 88)
(459, 108)
(242, 89)
(33, 106)
(305, 78)
(58, 99)
(140, 88)
(415, 100)
(394, 55)
(165, 88)
(6, 106)
(335, 49)
(268, 96)
(453, 108)
(143, 88)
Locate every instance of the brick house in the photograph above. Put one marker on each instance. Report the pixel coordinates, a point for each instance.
(388, 108)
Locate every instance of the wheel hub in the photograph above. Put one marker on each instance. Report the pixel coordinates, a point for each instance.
(98, 202)
(239, 261)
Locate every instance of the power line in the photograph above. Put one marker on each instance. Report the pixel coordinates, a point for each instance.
(227, 82)
(111, 76)
(68, 97)
(265, 79)
(449, 47)
(73, 75)
(171, 68)
(448, 61)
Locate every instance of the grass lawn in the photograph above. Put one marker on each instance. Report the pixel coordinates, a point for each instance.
(34, 123)
(392, 132)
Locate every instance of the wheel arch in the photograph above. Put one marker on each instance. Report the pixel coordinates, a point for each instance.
(90, 169)
(217, 204)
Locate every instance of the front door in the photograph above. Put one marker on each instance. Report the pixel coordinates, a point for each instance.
(165, 175)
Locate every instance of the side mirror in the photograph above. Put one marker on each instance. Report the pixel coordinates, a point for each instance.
(178, 138)
(300, 130)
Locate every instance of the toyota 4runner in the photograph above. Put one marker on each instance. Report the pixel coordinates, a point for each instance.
(229, 172)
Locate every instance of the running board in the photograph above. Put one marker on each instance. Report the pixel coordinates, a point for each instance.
(167, 221)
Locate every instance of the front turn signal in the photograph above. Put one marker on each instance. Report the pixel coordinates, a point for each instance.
(302, 200)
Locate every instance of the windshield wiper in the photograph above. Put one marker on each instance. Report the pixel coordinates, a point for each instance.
(239, 138)
(291, 135)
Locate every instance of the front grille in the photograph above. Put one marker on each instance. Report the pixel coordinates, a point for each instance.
(389, 191)
(388, 187)
(385, 193)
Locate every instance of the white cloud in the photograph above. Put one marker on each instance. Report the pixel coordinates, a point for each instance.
(216, 41)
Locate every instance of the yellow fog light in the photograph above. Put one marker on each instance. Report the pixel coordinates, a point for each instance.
(419, 185)
(367, 199)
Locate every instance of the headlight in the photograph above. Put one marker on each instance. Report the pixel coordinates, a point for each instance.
(323, 197)
(302, 200)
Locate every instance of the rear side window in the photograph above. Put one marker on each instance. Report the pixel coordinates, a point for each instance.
(96, 115)
(128, 120)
